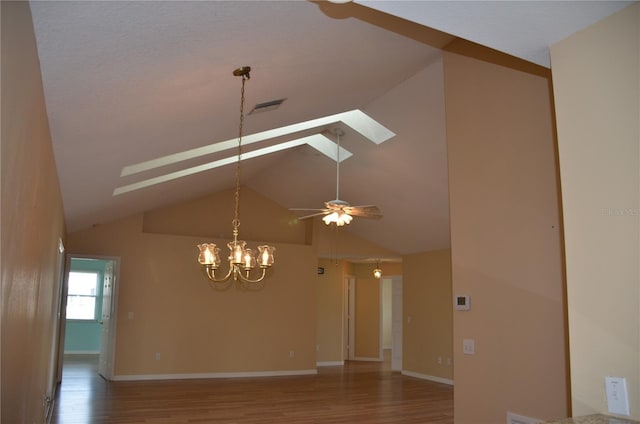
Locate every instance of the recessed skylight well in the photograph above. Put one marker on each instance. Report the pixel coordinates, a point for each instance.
(356, 119)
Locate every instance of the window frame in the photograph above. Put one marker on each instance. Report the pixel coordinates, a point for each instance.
(97, 305)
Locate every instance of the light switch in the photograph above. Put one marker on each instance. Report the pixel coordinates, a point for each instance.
(468, 346)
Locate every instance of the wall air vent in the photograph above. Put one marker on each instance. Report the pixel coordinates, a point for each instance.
(266, 106)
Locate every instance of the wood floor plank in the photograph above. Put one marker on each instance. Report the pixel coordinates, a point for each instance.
(358, 392)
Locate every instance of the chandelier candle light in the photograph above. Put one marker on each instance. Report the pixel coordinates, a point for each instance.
(242, 260)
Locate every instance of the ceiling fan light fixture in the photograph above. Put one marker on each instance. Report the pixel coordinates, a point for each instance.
(339, 218)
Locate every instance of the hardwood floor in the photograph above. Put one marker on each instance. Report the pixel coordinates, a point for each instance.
(359, 392)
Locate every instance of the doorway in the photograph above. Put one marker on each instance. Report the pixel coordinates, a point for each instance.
(390, 321)
(88, 306)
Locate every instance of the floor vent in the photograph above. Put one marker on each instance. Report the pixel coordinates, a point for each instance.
(521, 419)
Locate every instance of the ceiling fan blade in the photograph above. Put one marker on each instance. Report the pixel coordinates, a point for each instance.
(362, 214)
(364, 207)
(367, 209)
(306, 209)
(312, 215)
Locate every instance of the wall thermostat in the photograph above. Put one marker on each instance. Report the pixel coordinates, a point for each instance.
(462, 303)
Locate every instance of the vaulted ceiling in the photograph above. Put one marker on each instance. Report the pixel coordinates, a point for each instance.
(128, 82)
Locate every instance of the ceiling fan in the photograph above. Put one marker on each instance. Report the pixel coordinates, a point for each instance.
(338, 211)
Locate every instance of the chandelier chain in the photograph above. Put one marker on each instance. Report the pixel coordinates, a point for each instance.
(236, 220)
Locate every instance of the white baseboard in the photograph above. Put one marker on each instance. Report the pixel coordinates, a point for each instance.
(82, 352)
(330, 364)
(364, 358)
(140, 377)
(428, 377)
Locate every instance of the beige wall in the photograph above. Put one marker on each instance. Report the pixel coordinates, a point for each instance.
(333, 242)
(427, 317)
(505, 240)
(211, 216)
(389, 269)
(596, 76)
(330, 311)
(197, 329)
(32, 223)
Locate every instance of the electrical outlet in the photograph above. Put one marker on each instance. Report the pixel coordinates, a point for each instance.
(439, 360)
(617, 398)
(521, 419)
(468, 346)
(292, 353)
(157, 356)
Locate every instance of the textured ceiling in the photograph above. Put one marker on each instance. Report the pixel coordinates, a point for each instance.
(127, 82)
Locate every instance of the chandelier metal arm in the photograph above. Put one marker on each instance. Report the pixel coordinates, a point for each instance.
(246, 279)
(237, 273)
(211, 274)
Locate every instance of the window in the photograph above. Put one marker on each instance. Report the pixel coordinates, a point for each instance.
(83, 292)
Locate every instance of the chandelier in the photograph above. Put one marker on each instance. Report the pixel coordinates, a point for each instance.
(242, 260)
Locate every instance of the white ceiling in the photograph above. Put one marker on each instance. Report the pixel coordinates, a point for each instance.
(521, 28)
(127, 82)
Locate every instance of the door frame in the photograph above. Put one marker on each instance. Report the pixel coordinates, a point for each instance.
(397, 324)
(54, 376)
(395, 281)
(108, 350)
(380, 318)
(349, 326)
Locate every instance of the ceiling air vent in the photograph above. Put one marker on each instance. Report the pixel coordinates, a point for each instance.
(266, 106)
